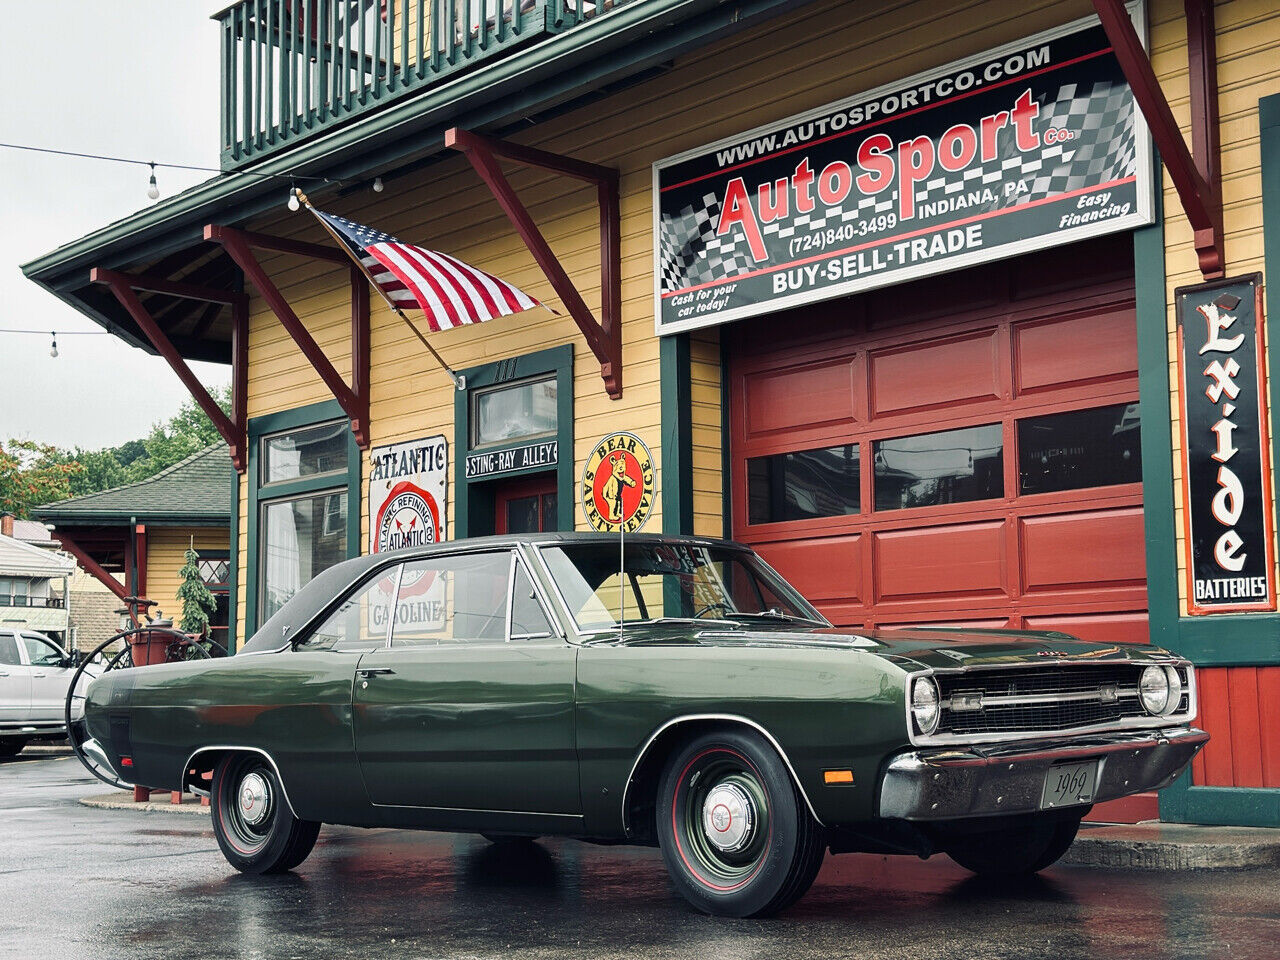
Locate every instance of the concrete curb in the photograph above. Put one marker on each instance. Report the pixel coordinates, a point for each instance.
(1175, 846)
(122, 801)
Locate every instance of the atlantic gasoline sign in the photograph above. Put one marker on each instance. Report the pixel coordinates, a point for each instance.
(407, 490)
(1032, 145)
(1225, 447)
(619, 484)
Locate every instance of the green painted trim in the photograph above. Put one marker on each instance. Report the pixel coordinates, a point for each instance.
(726, 454)
(676, 392)
(1220, 806)
(1157, 429)
(473, 500)
(291, 420)
(233, 615)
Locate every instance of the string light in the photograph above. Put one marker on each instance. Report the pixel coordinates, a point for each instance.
(286, 175)
(294, 205)
(153, 190)
(53, 350)
(377, 185)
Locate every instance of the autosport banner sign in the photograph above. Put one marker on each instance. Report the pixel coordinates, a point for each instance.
(1226, 470)
(1029, 146)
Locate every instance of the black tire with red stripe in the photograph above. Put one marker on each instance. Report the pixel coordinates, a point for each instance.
(256, 829)
(735, 832)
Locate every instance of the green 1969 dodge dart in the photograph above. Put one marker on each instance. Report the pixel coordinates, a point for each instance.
(676, 692)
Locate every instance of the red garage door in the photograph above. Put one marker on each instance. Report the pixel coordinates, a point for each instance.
(962, 450)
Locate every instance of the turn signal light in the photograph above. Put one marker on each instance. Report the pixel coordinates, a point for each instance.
(837, 776)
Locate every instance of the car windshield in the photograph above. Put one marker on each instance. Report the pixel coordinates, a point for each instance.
(668, 581)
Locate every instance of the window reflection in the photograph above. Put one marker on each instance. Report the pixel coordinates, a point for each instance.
(514, 411)
(299, 541)
(952, 466)
(305, 453)
(803, 484)
(1081, 448)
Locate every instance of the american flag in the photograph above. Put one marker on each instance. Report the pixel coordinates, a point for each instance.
(449, 292)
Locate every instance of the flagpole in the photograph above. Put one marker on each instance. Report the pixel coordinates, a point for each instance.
(459, 381)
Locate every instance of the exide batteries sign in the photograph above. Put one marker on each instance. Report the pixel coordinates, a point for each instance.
(1226, 470)
(1036, 144)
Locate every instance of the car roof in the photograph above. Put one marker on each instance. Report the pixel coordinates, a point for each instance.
(327, 585)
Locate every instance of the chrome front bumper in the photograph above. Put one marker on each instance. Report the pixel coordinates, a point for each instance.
(996, 779)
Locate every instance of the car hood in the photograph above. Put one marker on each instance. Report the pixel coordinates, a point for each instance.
(936, 648)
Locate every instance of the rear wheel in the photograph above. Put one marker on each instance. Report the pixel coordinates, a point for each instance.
(1019, 851)
(735, 832)
(256, 830)
(11, 747)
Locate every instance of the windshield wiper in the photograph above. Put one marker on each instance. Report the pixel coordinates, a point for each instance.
(779, 616)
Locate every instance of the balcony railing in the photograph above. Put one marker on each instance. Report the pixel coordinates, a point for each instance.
(291, 68)
(22, 600)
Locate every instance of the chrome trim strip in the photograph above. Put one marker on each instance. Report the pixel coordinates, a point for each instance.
(514, 813)
(242, 749)
(94, 749)
(691, 717)
(1029, 699)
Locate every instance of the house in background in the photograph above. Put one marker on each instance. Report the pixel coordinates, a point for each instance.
(33, 579)
(131, 539)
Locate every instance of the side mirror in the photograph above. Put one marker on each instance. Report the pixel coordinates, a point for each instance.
(74, 658)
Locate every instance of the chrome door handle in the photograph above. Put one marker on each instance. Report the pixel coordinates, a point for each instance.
(373, 671)
(39, 675)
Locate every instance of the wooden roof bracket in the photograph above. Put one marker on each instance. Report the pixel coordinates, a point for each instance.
(353, 398)
(1196, 177)
(604, 338)
(90, 565)
(124, 287)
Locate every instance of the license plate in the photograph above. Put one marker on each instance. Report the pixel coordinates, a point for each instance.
(1069, 784)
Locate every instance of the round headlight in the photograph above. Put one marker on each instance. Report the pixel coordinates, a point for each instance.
(1175, 690)
(924, 704)
(1153, 688)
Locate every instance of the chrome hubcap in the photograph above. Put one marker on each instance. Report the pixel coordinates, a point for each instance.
(254, 799)
(728, 818)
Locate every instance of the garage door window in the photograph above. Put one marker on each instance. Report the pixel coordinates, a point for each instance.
(803, 484)
(1081, 448)
(953, 466)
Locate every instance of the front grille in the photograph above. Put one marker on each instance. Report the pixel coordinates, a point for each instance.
(1091, 695)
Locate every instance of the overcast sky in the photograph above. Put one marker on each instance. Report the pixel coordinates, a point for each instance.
(135, 78)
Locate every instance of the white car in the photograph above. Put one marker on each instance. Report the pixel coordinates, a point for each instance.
(34, 675)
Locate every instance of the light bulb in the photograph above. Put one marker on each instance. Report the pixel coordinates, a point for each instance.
(153, 191)
(377, 185)
(53, 350)
(294, 205)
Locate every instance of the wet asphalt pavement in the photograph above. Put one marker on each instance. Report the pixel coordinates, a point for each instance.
(80, 882)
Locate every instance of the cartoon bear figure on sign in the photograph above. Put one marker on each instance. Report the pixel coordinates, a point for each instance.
(612, 490)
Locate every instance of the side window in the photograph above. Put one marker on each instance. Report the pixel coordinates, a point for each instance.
(527, 616)
(9, 651)
(361, 622)
(41, 652)
(453, 599)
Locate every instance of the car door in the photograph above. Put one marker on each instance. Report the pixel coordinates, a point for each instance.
(15, 681)
(50, 676)
(470, 707)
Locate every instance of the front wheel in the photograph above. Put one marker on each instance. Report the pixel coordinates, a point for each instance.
(1019, 851)
(735, 832)
(256, 830)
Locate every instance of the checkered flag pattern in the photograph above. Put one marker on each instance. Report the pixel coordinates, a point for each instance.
(1103, 147)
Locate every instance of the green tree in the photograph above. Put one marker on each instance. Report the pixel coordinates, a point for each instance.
(31, 474)
(197, 601)
(177, 438)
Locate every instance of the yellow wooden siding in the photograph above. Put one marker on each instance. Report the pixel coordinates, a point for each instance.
(795, 62)
(165, 549)
(1248, 45)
